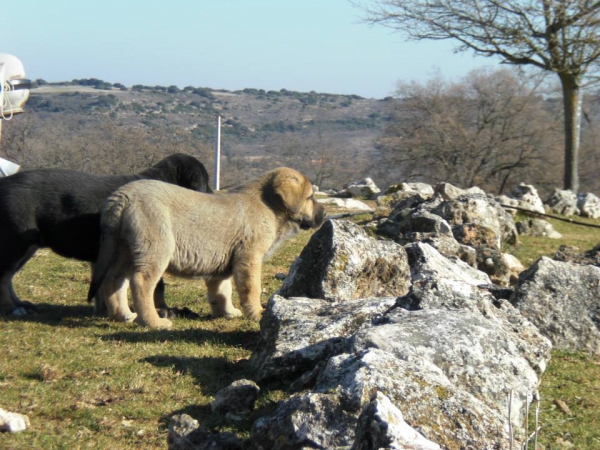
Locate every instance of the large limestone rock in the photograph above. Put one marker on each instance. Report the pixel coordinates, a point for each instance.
(589, 205)
(426, 263)
(484, 358)
(364, 188)
(238, 398)
(446, 355)
(562, 300)
(563, 202)
(399, 192)
(185, 434)
(528, 198)
(449, 192)
(447, 367)
(341, 262)
(537, 227)
(381, 425)
(350, 204)
(298, 333)
(477, 211)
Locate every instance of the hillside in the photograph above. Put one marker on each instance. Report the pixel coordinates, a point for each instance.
(259, 128)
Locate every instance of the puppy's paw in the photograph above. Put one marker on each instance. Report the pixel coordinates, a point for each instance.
(124, 317)
(233, 313)
(159, 324)
(255, 314)
(130, 317)
(18, 312)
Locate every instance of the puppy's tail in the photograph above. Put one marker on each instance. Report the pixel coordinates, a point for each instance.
(110, 226)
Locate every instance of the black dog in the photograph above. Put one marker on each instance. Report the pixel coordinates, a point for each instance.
(60, 209)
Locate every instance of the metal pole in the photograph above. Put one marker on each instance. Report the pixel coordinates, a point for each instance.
(217, 170)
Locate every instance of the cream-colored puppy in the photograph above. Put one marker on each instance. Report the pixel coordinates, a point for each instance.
(149, 227)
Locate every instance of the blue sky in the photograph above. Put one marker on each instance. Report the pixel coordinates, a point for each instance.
(300, 45)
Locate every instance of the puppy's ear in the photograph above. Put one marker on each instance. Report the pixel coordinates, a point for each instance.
(288, 188)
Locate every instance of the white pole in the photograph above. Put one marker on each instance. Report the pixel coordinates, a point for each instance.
(218, 153)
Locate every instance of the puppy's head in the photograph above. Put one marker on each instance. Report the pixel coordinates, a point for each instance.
(294, 195)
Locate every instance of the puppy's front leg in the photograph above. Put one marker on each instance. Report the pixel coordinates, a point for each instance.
(246, 274)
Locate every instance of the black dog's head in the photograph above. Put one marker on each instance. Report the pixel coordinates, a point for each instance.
(182, 170)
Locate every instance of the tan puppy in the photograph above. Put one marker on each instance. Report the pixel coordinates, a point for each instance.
(149, 227)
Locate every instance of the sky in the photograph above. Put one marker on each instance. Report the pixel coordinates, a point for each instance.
(299, 45)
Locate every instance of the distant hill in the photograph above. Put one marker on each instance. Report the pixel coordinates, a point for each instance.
(280, 126)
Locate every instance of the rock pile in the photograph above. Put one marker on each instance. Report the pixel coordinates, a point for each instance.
(465, 225)
(445, 356)
(415, 342)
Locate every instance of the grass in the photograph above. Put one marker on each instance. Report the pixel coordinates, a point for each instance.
(570, 403)
(571, 379)
(531, 248)
(86, 382)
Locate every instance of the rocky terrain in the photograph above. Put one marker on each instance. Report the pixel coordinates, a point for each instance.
(432, 338)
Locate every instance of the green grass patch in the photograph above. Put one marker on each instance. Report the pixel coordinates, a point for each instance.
(532, 248)
(570, 403)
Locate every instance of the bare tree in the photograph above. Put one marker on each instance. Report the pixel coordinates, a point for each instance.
(489, 129)
(559, 36)
(101, 146)
(321, 157)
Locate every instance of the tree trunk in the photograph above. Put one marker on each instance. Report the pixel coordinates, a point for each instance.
(571, 93)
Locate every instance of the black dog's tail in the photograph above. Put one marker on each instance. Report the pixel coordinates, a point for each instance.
(110, 225)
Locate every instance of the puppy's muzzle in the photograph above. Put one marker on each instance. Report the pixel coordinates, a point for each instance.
(316, 221)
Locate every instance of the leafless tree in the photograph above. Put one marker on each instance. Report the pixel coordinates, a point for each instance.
(99, 146)
(559, 36)
(321, 157)
(488, 129)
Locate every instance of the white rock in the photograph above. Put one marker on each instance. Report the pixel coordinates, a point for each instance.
(346, 203)
(382, 423)
(589, 205)
(528, 198)
(13, 422)
(362, 188)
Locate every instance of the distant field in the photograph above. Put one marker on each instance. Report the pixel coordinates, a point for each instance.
(61, 89)
(86, 382)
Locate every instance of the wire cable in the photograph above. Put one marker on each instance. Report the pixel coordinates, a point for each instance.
(5, 101)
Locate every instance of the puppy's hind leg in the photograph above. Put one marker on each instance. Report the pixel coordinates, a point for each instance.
(113, 293)
(143, 285)
(219, 297)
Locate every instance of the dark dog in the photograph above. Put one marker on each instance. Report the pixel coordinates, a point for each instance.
(60, 209)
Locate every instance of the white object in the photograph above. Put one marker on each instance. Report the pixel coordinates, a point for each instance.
(13, 422)
(8, 168)
(346, 203)
(14, 87)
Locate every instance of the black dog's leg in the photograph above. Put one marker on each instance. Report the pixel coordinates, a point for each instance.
(12, 261)
(160, 304)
